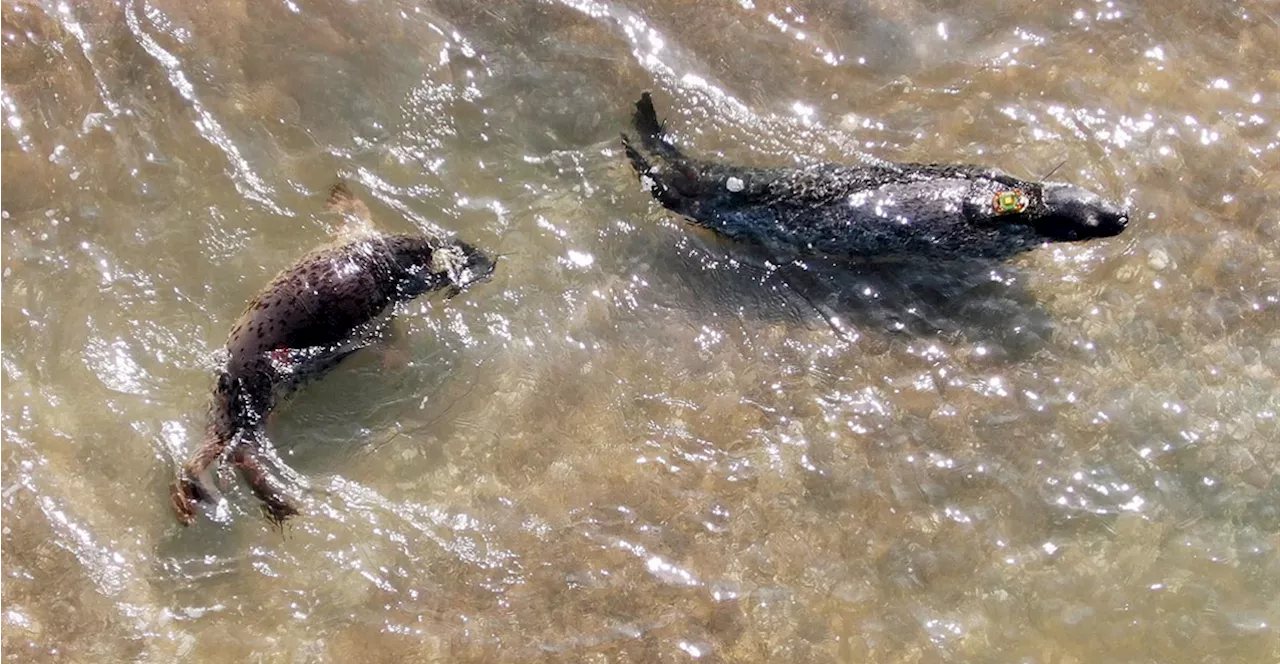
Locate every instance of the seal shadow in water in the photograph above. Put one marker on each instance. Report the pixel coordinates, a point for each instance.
(367, 402)
(393, 389)
(979, 301)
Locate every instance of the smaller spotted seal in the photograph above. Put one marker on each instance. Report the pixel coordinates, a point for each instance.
(329, 304)
(937, 211)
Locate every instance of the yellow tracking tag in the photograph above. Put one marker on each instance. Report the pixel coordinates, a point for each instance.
(1009, 202)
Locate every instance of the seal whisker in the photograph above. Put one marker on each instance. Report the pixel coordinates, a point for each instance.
(1053, 170)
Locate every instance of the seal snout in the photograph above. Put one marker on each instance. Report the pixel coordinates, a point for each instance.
(479, 266)
(463, 265)
(1111, 218)
(1073, 213)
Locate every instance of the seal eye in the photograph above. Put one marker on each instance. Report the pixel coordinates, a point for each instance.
(1010, 201)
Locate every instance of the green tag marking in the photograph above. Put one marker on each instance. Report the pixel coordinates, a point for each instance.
(1009, 202)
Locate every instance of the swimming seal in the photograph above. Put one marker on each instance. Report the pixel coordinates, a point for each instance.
(881, 210)
(320, 310)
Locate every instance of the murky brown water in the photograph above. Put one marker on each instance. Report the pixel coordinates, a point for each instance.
(627, 447)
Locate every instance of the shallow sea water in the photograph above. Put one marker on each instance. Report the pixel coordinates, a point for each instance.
(631, 445)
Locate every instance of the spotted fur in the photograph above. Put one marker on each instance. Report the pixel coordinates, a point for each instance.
(315, 313)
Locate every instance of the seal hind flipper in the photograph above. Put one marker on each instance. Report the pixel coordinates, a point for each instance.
(188, 488)
(675, 180)
(184, 494)
(651, 129)
(654, 179)
(638, 161)
(275, 503)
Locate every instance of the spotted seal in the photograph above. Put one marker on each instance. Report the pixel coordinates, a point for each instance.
(881, 210)
(326, 306)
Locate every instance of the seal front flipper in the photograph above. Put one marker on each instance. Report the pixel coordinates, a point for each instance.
(342, 201)
(391, 345)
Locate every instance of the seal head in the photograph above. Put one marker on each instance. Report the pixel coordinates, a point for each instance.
(1070, 214)
(462, 265)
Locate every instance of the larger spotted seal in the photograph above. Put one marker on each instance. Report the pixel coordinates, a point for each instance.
(324, 307)
(887, 209)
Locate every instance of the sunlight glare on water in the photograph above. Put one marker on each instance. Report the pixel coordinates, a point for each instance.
(634, 443)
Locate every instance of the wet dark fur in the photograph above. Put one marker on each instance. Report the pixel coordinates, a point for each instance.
(879, 210)
(308, 319)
